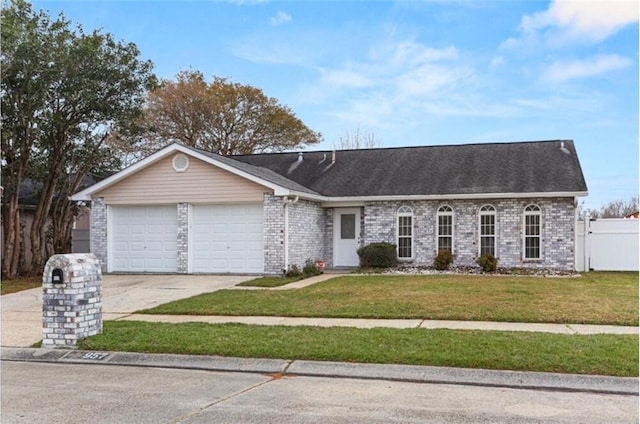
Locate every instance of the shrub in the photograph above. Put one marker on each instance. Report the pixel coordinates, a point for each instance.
(378, 255)
(311, 268)
(488, 262)
(293, 271)
(443, 260)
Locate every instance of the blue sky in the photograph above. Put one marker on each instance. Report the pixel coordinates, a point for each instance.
(414, 72)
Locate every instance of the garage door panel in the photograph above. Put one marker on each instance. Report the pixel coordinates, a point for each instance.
(227, 239)
(144, 238)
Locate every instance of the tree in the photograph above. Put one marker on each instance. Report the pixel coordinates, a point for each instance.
(62, 92)
(222, 117)
(357, 140)
(616, 209)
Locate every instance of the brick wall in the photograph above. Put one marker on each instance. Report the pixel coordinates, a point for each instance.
(306, 232)
(182, 244)
(558, 218)
(273, 230)
(98, 234)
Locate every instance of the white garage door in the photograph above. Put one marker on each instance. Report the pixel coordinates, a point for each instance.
(227, 239)
(144, 238)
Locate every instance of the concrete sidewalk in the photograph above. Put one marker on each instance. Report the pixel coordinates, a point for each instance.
(390, 372)
(388, 323)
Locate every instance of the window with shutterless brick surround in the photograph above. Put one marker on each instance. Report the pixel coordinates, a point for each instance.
(487, 230)
(532, 232)
(405, 232)
(445, 228)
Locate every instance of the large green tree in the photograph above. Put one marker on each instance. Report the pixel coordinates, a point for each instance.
(63, 91)
(222, 117)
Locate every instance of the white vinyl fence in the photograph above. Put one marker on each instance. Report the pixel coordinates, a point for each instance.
(609, 244)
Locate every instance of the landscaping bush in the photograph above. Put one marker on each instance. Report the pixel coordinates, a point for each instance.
(311, 268)
(378, 255)
(293, 271)
(488, 262)
(443, 261)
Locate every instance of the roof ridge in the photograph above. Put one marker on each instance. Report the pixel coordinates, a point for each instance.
(490, 143)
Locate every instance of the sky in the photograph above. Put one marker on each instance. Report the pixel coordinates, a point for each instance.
(413, 73)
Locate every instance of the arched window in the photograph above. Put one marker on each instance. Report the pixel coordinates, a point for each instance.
(445, 228)
(405, 232)
(532, 232)
(487, 230)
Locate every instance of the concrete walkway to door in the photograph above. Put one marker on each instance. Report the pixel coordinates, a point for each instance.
(21, 312)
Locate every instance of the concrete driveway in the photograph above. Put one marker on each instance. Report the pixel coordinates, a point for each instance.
(21, 312)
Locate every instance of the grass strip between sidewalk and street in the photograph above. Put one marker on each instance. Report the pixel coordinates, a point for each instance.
(615, 355)
(594, 298)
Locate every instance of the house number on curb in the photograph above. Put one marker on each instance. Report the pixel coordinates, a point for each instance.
(96, 356)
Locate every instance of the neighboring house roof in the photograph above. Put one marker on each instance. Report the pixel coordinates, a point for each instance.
(30, 190)
(471, 169)
(633, 215)
(541, 168)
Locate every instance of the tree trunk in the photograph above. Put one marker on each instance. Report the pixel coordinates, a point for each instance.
(40, 218)
(12, 240)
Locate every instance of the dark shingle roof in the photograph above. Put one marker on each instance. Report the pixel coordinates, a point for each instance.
(263, 173)
(496, 168)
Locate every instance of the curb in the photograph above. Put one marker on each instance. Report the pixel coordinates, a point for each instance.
(390, 372)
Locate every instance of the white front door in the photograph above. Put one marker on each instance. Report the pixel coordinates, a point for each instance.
(346, 236)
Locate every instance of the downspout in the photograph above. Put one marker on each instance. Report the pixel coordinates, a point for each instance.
(287, 202)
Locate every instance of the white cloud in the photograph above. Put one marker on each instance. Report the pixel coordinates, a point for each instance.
(345, 78)
(428, 79)
(497, 62)
(591, 67)
(281, 18)
(579, 21)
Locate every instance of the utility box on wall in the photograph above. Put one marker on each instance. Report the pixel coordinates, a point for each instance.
(71, 300)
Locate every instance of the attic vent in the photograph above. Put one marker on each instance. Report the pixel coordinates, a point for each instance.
(180, 162)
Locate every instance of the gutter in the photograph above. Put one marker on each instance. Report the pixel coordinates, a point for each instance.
(327, 201)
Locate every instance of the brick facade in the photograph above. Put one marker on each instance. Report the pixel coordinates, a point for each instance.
(306, 232)
(182, 244)
(557, 240)
(273, 233)
(310, 232)
(98, 234)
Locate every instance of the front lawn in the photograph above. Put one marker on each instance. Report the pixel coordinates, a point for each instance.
(20, 284)
(270, 281)
(577, 354)
(594, 298)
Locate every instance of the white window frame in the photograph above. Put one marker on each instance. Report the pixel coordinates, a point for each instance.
(531, 210)
(445, 210)
(488, 210)
(404, 212)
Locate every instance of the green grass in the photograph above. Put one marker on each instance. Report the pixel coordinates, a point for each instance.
(270, 281)
(20, 284)
(578, 354)
(595, 298)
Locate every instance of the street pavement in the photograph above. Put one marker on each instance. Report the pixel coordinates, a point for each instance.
(36, 392)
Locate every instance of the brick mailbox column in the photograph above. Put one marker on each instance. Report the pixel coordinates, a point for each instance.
(72, 300)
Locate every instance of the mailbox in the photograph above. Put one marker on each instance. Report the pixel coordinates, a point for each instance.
(57, 276)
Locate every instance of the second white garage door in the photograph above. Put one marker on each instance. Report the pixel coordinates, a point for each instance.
(227, 239)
